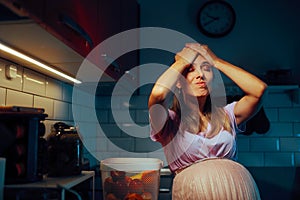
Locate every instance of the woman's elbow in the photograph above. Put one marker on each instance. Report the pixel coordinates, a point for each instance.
(263, 88)
(157, 96)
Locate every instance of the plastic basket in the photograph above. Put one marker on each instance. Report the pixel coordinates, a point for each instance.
(130, 178)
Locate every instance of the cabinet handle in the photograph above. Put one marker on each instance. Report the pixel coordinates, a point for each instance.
(68, 21)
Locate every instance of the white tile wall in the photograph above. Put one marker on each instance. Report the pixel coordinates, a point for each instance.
(289, 114)
(264, 144)
(67, 92)
(251, 159)
(61, 110)
(102, 102)
(71, 118)
(111, 130)
(280, 129)
(87, 129)
(297, 159)
(254, 150)
(54, 88)
(142, 116)
(290, 144)
(296, 97)
(102, 115)
(32, 89)
(146, 145)
(281, 99)
(272, 114)
(101, 144)
(139, 102)
(83, 98)
(17, 98)
(46, 103)
(117, 144)
(2, 96)
(122, 115)
(92, 144)
(34, 82)
(243, 144)
(29, 89)
(296, 129)
(87, 114)
(278, 147)
(280, 159)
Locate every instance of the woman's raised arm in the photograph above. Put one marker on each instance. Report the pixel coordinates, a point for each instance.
(165, 84)
(252, 86)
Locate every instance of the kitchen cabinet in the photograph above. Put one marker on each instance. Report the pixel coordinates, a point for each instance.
(74, 22)
(83, 24)
(109, 19)
(115, 17)
(130, 20)
(31, 8)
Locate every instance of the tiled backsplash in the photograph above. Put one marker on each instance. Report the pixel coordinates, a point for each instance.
(32, 89)
(280, 146)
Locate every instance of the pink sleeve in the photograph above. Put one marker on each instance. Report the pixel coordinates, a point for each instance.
(167, 129)
(229, 108)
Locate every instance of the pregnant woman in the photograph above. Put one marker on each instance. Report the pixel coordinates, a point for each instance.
(199, 135)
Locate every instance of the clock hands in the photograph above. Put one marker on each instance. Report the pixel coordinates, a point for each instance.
(210, 21)
(216, 18)
(212, 17)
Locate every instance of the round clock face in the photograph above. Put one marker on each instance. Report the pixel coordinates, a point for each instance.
(216, 18)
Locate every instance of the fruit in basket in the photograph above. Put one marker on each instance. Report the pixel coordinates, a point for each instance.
(146, 196)
(108, 184)
(136, 186)
(120, 188)
(137, 176)
(133, 196)
(141, 186)
(117, 175)
(128, 179)
(111, 196)
(150, 181)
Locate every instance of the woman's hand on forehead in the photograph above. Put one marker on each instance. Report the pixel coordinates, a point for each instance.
(204, 51)
(187, 54)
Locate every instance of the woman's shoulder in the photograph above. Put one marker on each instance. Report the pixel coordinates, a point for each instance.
(168, 130)
(229, 108)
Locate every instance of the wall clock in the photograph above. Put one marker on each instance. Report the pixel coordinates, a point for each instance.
(216, 18)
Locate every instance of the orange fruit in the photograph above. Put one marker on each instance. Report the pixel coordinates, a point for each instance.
(150, 180)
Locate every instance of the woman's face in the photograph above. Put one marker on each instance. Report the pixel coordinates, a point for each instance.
(199, 77)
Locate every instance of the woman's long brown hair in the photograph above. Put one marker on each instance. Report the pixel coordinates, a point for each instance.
(191, 121)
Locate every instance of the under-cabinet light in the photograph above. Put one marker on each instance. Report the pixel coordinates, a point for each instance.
(37, 63)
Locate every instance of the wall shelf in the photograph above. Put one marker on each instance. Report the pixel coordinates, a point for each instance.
(280, 88)
(292, 90)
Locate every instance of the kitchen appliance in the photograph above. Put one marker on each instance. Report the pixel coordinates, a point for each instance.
(21, 143)
(64, 151)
